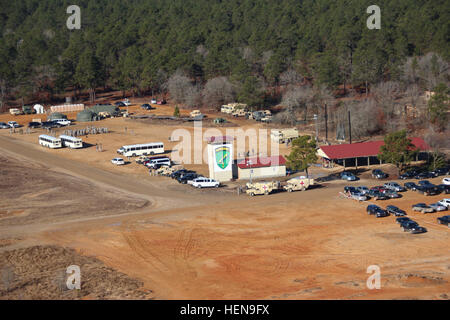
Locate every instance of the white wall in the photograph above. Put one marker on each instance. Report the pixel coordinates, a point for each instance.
(265, 172)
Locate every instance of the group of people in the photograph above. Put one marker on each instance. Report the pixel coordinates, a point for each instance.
(85, 132)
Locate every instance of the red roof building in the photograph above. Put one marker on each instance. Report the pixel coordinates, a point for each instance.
(261, 162)
(361, 149)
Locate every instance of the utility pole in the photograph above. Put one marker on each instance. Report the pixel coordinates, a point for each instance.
(317, 128)
(349, 127)
(326, 123)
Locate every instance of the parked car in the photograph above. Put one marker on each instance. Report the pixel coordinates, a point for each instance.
(378, 188)
(363, 190)
(146, 106)
(428, 190)
(395, 211)
(402, 220)
(358, 196)
(445, 202)
(348, 176)
(50, 125)
(202, 182)
(4, 125)
(411, 186)
(394, 186)
(438, 207)
(63, 122)
(34, 124)
(180, 172)
(424, 183)
(120, 104)
(13, 124)
(391, 194)
(424, 175)
(408, 175)
(350, 189)
(377, 195)
(446, 181)
(444, 220)
(444, 188)
(118, 161)
(186, 177)
(142, 159)
(440, 171)
(376, 210)
(412, 227)
(153, 101)
(422, 207)
(379, 174)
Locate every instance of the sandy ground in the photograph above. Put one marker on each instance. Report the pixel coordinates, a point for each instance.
(190, 244)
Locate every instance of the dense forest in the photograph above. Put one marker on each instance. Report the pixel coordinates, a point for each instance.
(225, 50)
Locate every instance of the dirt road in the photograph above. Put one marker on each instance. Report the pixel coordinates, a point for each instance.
(214, 245)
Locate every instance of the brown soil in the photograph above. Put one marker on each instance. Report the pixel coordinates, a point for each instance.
(192, 244)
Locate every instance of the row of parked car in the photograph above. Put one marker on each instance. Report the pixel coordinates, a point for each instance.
(406, 223)
(411, 174)
(56, 123)
(390, 190)
(183, 176)
(10, 124)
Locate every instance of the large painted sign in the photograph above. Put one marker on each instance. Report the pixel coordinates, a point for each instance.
(223, 157)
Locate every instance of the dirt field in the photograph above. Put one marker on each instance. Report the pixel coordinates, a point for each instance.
(189, 244)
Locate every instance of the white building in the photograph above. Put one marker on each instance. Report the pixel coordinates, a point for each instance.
(261, 167)
(220, 158)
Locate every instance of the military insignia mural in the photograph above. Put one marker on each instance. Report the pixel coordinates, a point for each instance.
(223, 157)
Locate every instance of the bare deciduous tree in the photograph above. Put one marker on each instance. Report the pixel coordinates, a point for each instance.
(290, 77)
(296, 98)
(179, 86)
(218, 91)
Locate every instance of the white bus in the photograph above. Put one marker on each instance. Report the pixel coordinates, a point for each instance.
(71, 142)
(142, 149)
(49, 141)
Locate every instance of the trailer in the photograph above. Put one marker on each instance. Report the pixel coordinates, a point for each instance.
(283, 135)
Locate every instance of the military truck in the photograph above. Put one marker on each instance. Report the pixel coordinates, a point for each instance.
(28, 110)
(165, 171)
(284, 135)
(15, 111)
(239, 112)
(231, 107)
(104, 114)
(298, 184)
(259, 188)
(195, 113)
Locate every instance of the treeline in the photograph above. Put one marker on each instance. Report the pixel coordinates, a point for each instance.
(234, 49)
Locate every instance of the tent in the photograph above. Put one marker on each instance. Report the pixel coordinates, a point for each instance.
(86, 116)
(39, 108)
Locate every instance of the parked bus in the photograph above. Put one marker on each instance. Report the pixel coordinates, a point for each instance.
(71, 142)
(49, 141)
(142, 149)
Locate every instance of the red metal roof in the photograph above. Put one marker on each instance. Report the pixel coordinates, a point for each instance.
(363, 149)
(261, 162)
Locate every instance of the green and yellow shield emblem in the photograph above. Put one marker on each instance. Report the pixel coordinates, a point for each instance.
(223, 157)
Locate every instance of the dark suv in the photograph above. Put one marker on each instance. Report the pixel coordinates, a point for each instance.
(378, 174)
(376, 210)
(444, 220)
(412, 227)
(395, 211)
(186, 177)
